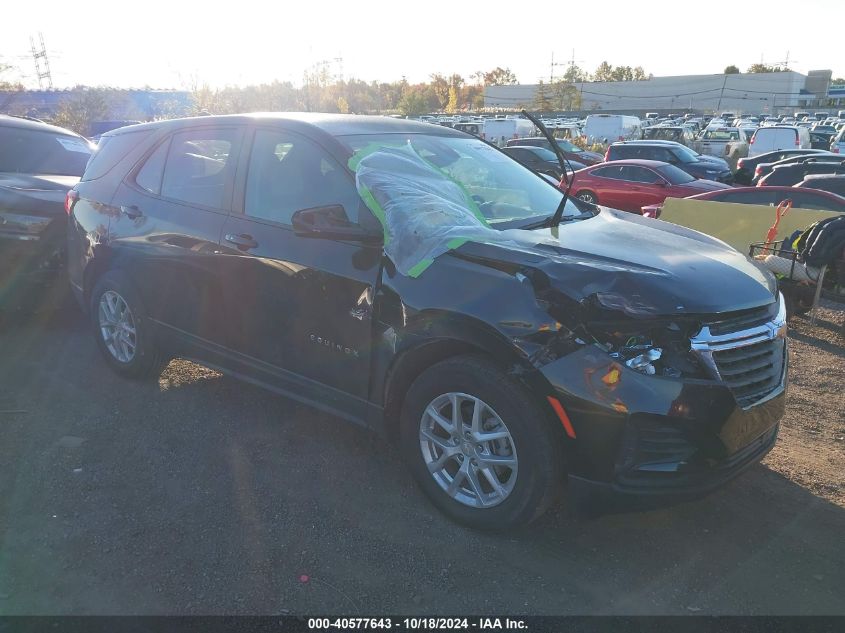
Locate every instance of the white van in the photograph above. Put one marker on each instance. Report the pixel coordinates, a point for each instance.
(500, 131)
(609, 128)
(770, 139)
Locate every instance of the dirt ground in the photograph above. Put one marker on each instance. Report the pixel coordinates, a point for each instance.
(199, 495)
(811, 447)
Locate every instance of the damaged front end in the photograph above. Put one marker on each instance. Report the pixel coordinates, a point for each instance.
(658, 404)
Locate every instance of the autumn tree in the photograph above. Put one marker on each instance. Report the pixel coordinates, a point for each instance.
(542, 101)
(452, 104)
(500, 77)
(604, 72)
(765, 68)
(86, 106)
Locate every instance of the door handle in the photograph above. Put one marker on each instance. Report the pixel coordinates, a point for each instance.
(132, 212)
(242, 241)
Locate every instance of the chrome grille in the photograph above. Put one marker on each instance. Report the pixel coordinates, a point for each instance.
(749, 359)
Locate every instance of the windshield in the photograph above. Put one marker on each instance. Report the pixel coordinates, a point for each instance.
(674, 175)
(504, 190)
(544, 154)
(685, 155)
(26, 151)
(663, 133)
(566, 146)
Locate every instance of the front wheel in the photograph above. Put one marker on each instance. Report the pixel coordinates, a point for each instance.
(479, 445)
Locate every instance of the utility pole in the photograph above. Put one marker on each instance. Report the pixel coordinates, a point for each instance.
(721, 94)
(42, 64)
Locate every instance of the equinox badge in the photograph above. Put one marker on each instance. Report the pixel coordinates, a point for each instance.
(332, 345)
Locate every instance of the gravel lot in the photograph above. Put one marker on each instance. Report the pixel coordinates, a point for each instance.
(202, 495)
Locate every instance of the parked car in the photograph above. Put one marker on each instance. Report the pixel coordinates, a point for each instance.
(570, 151)
(824, 182)
(540, 159)
(594, 347)
(768, 196)
(39, 163)
(500, 131)
(695, 164)
(837, 144)
(728, 142)
(773, 196)
(764, 169)
(821, 140)
(607, 128)
(788, 175)
(629, 185)
(769, 139)
(678, 134)
(746, 167)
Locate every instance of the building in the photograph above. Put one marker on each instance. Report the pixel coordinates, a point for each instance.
(779, 92)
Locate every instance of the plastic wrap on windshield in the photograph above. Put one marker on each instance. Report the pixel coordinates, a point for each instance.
(424, 212)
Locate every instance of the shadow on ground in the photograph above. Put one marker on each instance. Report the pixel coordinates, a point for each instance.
(198, 494)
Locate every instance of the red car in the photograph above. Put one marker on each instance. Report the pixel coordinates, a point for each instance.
(629, 185)
(767, 196)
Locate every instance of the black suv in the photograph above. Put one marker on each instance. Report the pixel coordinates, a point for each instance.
(696, 165)
(415, 280)
(39, 163)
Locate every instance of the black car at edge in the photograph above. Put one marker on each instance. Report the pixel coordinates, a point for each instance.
(628, 355)
(39, 163)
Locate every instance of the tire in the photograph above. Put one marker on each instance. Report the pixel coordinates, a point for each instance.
(529, 469)
(587, 196)
(133, 353)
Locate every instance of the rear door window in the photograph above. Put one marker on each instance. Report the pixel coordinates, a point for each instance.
(288, 172)
(613, 172)
(200, 166)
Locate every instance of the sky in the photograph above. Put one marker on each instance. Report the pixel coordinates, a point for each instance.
(184, 44)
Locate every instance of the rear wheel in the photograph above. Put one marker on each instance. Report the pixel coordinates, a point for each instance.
(479, 445)
(122, 329)
(588, 196)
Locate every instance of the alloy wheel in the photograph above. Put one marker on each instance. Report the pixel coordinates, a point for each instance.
(468, 450)
(117, 326)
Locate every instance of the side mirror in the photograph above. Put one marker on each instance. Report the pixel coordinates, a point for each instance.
(331, 223)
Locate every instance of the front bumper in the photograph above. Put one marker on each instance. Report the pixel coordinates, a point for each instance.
(647, 436)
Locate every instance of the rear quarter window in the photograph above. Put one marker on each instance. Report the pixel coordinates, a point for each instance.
(110, 150)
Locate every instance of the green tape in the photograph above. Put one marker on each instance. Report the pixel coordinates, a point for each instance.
(374, 206)
(418, 269)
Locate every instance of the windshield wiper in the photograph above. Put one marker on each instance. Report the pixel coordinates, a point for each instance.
(562, 160)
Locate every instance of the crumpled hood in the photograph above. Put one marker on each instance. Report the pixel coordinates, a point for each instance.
(648, 266)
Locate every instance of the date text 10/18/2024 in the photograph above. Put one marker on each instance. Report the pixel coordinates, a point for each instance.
(417, 624)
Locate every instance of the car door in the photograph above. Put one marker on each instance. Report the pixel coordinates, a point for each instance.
(609, 186)
(169, 212)
(299, 308)
(645, 187)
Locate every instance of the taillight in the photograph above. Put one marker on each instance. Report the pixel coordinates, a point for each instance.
(797, 143)
(835, 150)
(758, 170)
(740, 163)
(70, 197)
(607, 155)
